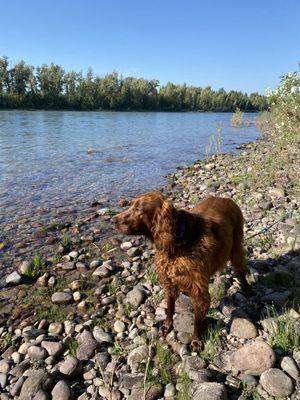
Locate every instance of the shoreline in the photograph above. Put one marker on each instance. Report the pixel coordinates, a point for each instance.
(131, 111)
(95, 269)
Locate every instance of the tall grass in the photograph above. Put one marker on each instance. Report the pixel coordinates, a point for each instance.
(237, 118)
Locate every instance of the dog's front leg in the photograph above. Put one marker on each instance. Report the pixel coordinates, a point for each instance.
(201, 303)
(171, 296)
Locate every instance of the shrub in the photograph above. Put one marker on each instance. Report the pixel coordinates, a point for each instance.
(237, 118)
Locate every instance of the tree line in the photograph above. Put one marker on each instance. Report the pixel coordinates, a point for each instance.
(23, 86)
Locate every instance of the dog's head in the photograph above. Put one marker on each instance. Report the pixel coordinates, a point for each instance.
(152, 215)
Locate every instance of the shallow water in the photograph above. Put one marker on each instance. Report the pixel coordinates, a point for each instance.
(59, 158)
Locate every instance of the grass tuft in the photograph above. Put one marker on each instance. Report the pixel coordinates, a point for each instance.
(237, 118)
(66, 240)
(283, 335)
(184, 383)
(36, 268)
(54, 313)
(152, 277)
(212, 341)
(72, 346)
(159, 368)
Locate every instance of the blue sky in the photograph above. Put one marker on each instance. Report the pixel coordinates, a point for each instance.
(239, 45)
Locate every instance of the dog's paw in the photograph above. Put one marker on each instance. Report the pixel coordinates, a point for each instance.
(197, 345)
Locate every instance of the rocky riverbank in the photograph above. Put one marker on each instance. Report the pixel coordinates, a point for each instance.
(81, 305)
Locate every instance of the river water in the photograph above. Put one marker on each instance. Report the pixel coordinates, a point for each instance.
(51, 159)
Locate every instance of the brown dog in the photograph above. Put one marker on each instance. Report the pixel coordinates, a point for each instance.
(191, 245)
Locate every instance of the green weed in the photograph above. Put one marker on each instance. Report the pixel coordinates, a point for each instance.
(217, 289)
(184, 382)
(159, 368)
(283, 335)
(212, 341)
(152, 277)
(66, 240)
(36, 268)
(106, 247)
(72, 346)
(6, 340)
(54, 313)
(127, 309)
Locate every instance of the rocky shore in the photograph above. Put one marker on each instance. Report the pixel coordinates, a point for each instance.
(80, 305)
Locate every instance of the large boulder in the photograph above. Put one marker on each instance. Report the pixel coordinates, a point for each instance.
(37, 380)
(253, 358)
(276, 382)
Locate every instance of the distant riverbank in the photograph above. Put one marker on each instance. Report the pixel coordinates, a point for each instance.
(51, 87)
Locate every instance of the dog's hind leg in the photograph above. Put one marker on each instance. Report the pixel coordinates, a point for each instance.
(201, 301)
(171, 296)
(238, 260)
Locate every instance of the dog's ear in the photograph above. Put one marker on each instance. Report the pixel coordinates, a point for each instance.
(163, 228)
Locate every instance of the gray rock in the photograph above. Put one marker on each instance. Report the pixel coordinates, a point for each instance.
(102, 272)
(8, 352)
(73, 254)
(33, 333)
(243, 328)
(53, 348)
(289, 366)
(249, 380)
(4, 367)
(87, 346)
(36, 353)
(61, 391)
(119, 326)
(170, 391)
(16, 389)
(209, 391)
(296, 356)
(135, 297)
(104, 393)
(61, 298)
(41, 395)
(95, 264)
(25, 268)
(276, 382)
(128, 381)
(19, 369)
(137, 356)
(13, 279)
(102, 359)
(253, 358)
(184, 322)
(3, 380)
(101, 336)
(70, 367)
(55, 328)
(38, 379)
(193, 366)
(134, 251)
(126, 246)
(276, 193)
(153, 392)
(184, 337)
